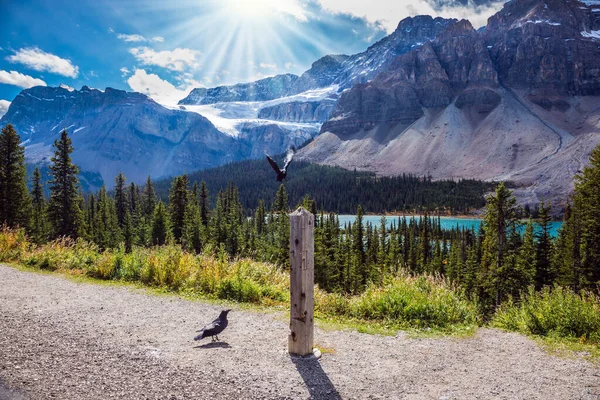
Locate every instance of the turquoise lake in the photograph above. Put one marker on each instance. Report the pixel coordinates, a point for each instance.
(446, 222)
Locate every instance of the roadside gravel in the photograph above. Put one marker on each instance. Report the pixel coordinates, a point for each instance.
(65, 340)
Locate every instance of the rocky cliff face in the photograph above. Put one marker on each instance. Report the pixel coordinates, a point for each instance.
(455, 64)
(550, 46)
(321, 74)
(410, 34)
(516, 100)
(115, 131)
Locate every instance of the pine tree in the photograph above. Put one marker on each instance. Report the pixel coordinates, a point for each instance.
(178, 199)
(567, 257)
(192, 229)
(39, 228)
(106, 226)
(500, 218)
(424, 243)
(544, 275)
(64, 209)
(149, 199)
(161, 226)
(259, 217)
(282, 232)
(587, 209)
(128, 235)
(133, 198)
(14, 200)
(527, 259)
(204, 203)
(121, 201)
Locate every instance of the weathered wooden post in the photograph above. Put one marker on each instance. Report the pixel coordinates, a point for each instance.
(302, 249)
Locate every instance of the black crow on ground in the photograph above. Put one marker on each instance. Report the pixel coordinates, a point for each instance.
(214, 328)
(282, 173)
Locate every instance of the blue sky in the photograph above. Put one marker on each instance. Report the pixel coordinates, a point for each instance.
(165, 48)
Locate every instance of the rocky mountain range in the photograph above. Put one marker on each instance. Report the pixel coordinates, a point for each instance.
(518, 99)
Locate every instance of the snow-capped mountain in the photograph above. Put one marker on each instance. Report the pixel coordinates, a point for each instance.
(518, 100)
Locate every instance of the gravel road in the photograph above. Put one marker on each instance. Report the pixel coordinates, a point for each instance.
(65, 340)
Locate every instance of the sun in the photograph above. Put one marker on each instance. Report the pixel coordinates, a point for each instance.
(261, 10)
(250, 9)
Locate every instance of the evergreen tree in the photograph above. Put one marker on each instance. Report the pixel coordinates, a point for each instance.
(39, 228)
(544, 275)
(500, 218)
(133, 198)
(587, 210)
(149, 199)
(204, 203)
(106, 226)
(259, 218)
(192, 229)
(567, 257)
(178, 199)
(161, 226)
(64, 209)
(424, 243)
(14, 200)
(527, 260)
(121, 201)
(282, 232)
(128, 234)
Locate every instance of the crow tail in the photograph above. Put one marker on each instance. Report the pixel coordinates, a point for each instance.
(200, 336)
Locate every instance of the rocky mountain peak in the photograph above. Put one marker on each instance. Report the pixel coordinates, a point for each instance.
(548, 46)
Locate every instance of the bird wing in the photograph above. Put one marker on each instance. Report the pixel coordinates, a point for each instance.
(273, 164)
(209, 329)
(288, 158)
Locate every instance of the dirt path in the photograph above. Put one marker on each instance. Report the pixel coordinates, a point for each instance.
(64, 340)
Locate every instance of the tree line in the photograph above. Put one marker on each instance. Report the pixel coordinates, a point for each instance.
(492, 264)
(339, 190)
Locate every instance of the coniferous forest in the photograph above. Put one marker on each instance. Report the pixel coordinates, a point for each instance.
(339, 190)
(497, 268)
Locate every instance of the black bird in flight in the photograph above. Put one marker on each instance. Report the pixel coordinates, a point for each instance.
(282, 173)
(214, 328)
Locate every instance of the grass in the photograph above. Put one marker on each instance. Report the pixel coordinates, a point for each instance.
(561, 320)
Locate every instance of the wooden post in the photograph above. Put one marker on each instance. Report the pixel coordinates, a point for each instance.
(302, 249)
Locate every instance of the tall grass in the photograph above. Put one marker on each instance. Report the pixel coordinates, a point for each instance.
(554, 312)
(404, 302)
(422, 302)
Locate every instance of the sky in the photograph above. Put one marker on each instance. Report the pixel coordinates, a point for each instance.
(166, 48)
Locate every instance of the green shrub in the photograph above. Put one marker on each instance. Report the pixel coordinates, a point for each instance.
(13, 244)
(411, 302)
(553, 312)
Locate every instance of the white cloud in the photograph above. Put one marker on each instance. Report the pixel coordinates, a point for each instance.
(388, 13)
(290, 65)
(4, 104)
(111, 30)
(18, 79)
(139, 38)
(131, 38)
(267, 66)
(39, 60)
(125, 71)
(187, 80)
(176, 60)
(158, 89)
